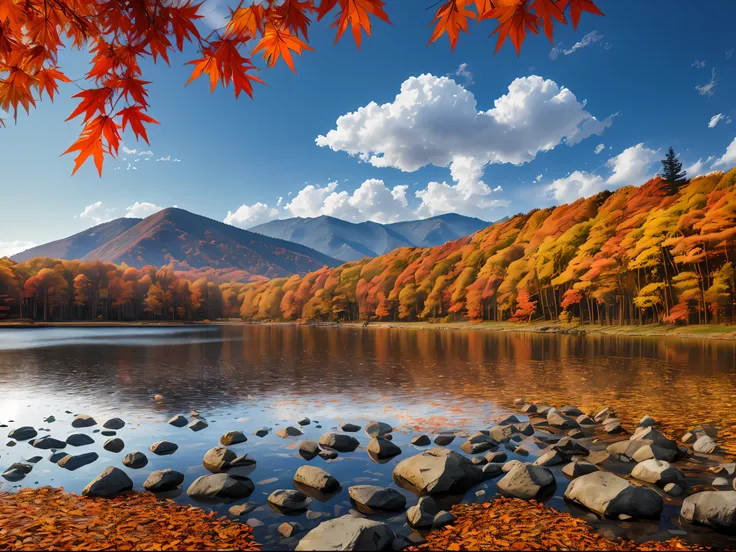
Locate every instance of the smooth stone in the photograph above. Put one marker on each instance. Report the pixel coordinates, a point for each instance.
(35, 459)
(584, 420)
(598, 457)
(437, 470)
(508, 466)
(478, 460)
(17, 471)
(107, 433)
(83, 421)
(712, 508)
(609, 495)
(656, 471)
(289, 528)
(421, 515)
(220, 486)
(23, 433)
(198, 425)
(555, 419)
(233, 438)
(114, 445)
(648, 452)
(647, 421)
(421, 441)
(135, 460)
(316, 478)
(576, 434)
(508, 420)
(576, 469)
(348, 533)
(55, 457)
(613, 427)
(443, 518)
(550, 458)
(110, 483)
(477, 448)
(253, 523)
(705, 445)
(327, 454)
(10, 444)
(72, 463)
(498, 456)
(655, 436)
(339, 442)
(378, 498)
(163, 448)
(262, 432)
(382, 449)
(79, 440)
(308, 449)
(498, 434)
(568, 447)
(444, 439)
(491, 470)
(242, 509)
(573, 411)
(178, 421)
(529, 408)
(221, 459)
(289, 500)
(47, 442)
(378, 429)
(113, 423)
(350, 428)
(526, 428)
(163, 480)
(290, 431)
(304, 421)
(526, 481)
(673, 489)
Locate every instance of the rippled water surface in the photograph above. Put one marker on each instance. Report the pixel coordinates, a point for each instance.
(247, 377)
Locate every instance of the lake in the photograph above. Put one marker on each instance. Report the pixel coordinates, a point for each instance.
(246, 377)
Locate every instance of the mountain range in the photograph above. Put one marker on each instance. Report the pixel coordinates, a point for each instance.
(349, 241)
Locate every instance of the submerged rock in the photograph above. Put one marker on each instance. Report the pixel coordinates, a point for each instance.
(378, 498)
(316, 478)
(163, 480)
(110, 483)
(289, 500)
(348, 533)
(339, 442)
(609, 495)
(220, 486)
(437, 470)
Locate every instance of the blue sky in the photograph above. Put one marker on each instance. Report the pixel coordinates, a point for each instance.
(636, 82)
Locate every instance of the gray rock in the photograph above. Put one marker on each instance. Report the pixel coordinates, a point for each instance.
(233, 438)
(17, 471)
(262, 432)
(382, 449)
(221, 459)
(613, 427)
(437, 470)
(164, 448)
(113, 423)
(242, 509)
(316, 478)
(478, 460)
(308, 449)
(576, 434)
(220, 486)
(350, 428)
(178, 421)
(529, 408)
(572, 411)
(23, 433)
(110, 483)
(584, 420)
(72, 463)
(491, 470)
(55, 457)
(253, 523)
(508, 420)
(526, 429)
(421, 515)
(421, 441)
(163, 480)
(290, 431)
(10, 444)
(348, 533)
(598, 457)
(550, 458)
(443, 518)
(499, 434)
(304, 421)
(508, 466)
(576, 469)
(568, 448)
(705, 445)
(198, 425)
(289, 500)
(647, 421)
(83, 420)
(653, 435)
(106, 432)
(378, 498)
(444, 439)
(47, 442)
(114, 445)
(695, 434)
(378, 429)
(526, 481)
(712, 508)
(555, 419)
(674, 489)
(609, 495)
(327, 454)
(135, 460)
(648, 452)
(498, 456)
(79, 440)
(339, 442)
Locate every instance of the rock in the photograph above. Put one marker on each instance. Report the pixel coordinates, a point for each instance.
(113, 423)
(491, 470)
(437, 470)
(705, 445)
(598, 457)
(720, 482)
(220, 486)
(498, 456)
(72, 463)
(613, 427)
(106, 432)
(198, 425)
(289, 528)
(609, 495)
(327, 454)
(304, 421)
(135, 460)
(603, 414)
(242, 509)
(421, 441)
(421, 515)
(163, 480)
(253, 523)
(479, 445)
(673, 489)
(508, 420)
(656, 471)
(568, 448)
(221, 459)
(17, 471)
(233, 438)
(110, 483)
(727, 469)
(653, 452)
(164, 448)
(584, 420)
(572, 411)
(647, 421)
(555, 419)
(289, 500)
(653, 435)
(576, 469)
(47, 442)
(443, 518)
(114, 445)
(543, 409)
(478, 460)
(499, 434)
(23, 433)
(50, 419)
(350, 428)
(576, 434)
(308, 449)
(55, 457)
(526, 481)
(444, 439)
(696, 433)
(83, 420)
(10, 444)
(79, 440)
(348, 533)
(382, 449)
(339, 442)
(529, 408)
(178, 421)
(550, 458)
(378, 498)
(262, 432)
(290, 431)
(526, 429)
(712, 508)
(518, 401)
(316, 478)
(508, 466)
(378, 429)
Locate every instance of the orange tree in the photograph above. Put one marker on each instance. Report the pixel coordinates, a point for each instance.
(121, 33)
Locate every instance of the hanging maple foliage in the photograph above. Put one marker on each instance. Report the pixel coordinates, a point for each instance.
(120, 35)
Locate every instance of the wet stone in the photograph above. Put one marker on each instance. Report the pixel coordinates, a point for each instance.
(114, 445)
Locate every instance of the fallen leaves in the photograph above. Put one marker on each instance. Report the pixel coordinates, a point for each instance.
(50, 519)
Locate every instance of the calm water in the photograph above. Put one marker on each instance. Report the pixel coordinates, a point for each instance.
(246, 377)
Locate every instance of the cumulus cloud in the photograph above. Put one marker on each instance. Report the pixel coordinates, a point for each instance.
(10, 248)
(599, 148)
(142, 210)
(576, 185)
(708, 89)
(248, 216)
(729, 158)
(717, 119)
(699, 168)
(97, 212)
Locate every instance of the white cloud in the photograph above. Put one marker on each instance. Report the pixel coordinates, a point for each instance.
(698, 64)
(728, 158)
(590, 38)
(729, 54)
(214, 13)
(97, 212)
(464, 72)
(717, 119)
(168, 158)
(128, 151)
(278, 202)
(10, 248)
(699, 167)
(148, 153)
(599, 148)
(576, 185)
(248, 216)
(142, 210)
(708, 89)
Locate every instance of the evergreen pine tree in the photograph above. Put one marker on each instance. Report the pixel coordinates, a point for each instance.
(672, 168)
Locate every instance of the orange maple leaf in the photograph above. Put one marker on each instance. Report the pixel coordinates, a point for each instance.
(356, 13)
(182, 19)
(134, 116)
(246, 22)
(293, 16)
(579, 6)
(514, 19)
(548, 9)
(451, 17)
(47, 81)
(206, 64)
(90, 142)
(280, 43)
(92, 101)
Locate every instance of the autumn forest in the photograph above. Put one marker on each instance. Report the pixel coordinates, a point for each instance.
(659, 253)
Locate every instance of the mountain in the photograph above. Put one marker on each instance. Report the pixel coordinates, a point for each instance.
(349, 241)
(190, 242)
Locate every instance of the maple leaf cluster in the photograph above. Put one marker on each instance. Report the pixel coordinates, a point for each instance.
(121, 34)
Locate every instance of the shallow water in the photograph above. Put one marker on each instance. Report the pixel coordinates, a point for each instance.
(246, 377)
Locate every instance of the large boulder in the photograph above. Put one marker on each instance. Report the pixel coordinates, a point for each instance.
(437, 470)
(348, 533)
(378, 498)
(164, 448)
(712, 508)
(233, 438)
(378, 429)
(79, 440)
(289, 500)
(23, 433)
(526, 481)
(382, 448)
(316, 478)
(72, 463)
(220, 486)
(339, 442)
(111, 482)
(609, 495)
(135, 460)
(163, 480)
(656, 471)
